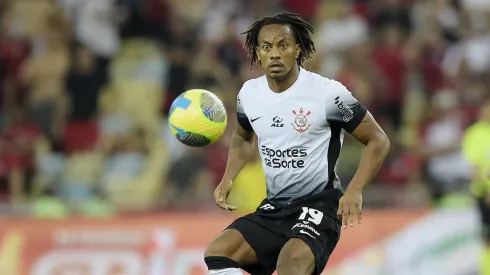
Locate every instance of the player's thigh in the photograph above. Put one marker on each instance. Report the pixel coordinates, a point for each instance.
(319, 230)
(296, 258)
(265, 237)
(231, 244)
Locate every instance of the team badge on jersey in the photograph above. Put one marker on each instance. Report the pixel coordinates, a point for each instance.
(300, 121)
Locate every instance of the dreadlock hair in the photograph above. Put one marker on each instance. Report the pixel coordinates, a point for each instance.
(301, 30)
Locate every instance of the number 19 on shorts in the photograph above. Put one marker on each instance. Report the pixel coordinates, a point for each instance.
(311, 215)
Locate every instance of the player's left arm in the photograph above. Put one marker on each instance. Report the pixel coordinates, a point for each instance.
(346, 112)
(343, 110)
(377, 144)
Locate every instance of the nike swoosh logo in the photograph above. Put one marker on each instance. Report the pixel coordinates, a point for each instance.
(304, 232)
(254, 119)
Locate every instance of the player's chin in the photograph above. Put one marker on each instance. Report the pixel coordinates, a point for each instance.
(276, 72)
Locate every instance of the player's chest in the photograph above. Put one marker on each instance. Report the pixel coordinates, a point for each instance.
(287, 117)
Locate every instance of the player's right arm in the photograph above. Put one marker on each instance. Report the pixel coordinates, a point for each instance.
(241, 149)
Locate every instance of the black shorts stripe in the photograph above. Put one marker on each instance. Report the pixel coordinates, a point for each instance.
(333, 153)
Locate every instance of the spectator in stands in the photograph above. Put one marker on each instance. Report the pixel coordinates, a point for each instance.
(11, 179)
(181, 49)
(20, 140)
(446, 168)
(44, 76)
(126, 155)
(188, 176)
(97, 28)
(339, 29)
(388, 57)
(84, 82)
(14, 49)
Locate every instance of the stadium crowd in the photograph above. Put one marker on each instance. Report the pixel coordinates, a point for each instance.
(86, 86)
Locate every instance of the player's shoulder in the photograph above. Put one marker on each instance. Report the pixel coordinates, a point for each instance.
(325, 83)
(329, 88)
(313, 79)
(253, 83)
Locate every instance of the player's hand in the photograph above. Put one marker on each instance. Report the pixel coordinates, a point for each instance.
(221, 193)
(350, 205)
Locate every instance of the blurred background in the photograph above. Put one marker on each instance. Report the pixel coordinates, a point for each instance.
(89, 169)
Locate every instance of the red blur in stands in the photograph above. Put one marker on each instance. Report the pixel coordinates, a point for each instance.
(390, 62)
(22, 139)
(80, 136)
(306, 8)
(13, 53)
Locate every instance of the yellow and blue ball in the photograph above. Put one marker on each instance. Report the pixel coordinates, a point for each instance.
(197, 118)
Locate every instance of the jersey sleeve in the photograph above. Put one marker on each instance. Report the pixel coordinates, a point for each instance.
(342, 108)
(242, 118)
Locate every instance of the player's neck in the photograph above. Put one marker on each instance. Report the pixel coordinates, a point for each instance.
(281, 85)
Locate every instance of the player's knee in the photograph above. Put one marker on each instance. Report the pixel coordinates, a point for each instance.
(224, 245)
(296, 258)
(219, 255)
(219, 249)
(230, 244)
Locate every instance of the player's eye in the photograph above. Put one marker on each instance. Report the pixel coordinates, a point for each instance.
(265, 47)
(284, 45)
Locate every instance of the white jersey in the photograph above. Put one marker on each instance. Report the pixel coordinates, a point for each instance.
(300, 132)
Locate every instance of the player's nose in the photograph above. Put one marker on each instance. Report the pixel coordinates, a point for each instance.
(275, 54)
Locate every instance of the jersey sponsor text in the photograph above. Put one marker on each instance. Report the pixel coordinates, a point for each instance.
(289, 158)
(344, 109)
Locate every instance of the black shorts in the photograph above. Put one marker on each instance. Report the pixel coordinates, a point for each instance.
(312, 219)
(485, 217)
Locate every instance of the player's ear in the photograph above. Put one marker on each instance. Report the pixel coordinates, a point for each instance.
(298, 51)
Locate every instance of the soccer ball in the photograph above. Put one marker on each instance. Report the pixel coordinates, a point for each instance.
(197, 118)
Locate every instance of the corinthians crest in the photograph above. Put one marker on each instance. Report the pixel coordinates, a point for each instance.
(300, 121)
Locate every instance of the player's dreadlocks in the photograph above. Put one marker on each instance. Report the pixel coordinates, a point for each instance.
(301, 30)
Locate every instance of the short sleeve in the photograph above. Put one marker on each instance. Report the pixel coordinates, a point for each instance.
(342, 108)
(242, 118)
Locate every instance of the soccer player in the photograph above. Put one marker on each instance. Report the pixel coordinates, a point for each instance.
(476, 148)
(299, 119)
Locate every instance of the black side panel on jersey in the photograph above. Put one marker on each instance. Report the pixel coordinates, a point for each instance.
(244, 122)
(359, 114)
(333, 152)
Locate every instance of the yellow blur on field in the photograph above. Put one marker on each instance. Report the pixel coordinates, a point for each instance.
(11, 253)
(476, 148)
(249, 188)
